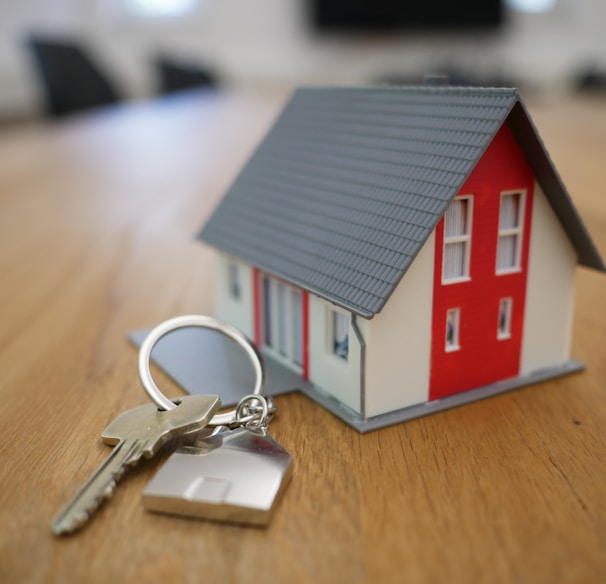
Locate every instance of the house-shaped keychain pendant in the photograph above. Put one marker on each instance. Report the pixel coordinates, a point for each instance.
(235, 475)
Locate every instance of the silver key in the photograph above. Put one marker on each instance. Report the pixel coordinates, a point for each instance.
(136, 433)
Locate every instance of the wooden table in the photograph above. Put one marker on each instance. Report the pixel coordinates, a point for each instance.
(97, 224)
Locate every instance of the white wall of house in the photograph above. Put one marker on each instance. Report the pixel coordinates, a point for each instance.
(398, 351)
(336, 376)
(235, 311)
(550, 291)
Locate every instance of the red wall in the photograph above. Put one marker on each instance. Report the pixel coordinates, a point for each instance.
(482, 358)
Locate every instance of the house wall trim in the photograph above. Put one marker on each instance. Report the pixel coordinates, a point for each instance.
(362, 343)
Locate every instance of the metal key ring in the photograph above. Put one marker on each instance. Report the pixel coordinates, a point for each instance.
(207, 322)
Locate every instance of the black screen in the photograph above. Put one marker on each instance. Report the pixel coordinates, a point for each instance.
(402, 14)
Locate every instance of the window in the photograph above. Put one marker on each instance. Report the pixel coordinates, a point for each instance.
(504, 324)
(457, 240)
(511, 219)
(282, 322)
(282, 319)
(531, 5)
(267, 312)
(296, 333)
(161, 8)
(148, 13)
(233, 281)
(453, 317)
(339, 336)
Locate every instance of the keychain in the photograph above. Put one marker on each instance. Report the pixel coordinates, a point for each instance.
(238, 472)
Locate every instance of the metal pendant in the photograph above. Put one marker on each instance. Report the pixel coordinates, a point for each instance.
(234, 475)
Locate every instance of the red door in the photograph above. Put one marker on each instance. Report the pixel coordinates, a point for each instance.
(480, 273)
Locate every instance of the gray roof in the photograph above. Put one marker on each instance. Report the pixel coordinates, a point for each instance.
(349, 183)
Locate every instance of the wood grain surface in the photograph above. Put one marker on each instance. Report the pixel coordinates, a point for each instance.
(97, 222)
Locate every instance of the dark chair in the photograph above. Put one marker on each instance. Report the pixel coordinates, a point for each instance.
(173, 75)
(71, 79)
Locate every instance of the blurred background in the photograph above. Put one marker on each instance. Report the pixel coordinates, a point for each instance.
(112, 50)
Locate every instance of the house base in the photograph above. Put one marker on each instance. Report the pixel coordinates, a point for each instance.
(201, 362)
(364, 425)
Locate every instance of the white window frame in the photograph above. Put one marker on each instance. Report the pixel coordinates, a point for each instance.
(517, 232)
(504, 333)
(332, 314)
(455, 345)
(454, 239)
(234, 280)
(285, 319)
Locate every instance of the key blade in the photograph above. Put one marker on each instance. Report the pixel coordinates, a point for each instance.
(99, 486)
(137, 432)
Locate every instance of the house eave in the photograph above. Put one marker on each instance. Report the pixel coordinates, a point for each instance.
(522, 127)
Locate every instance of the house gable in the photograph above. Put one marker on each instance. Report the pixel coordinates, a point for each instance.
(521, 125)
(482, 356)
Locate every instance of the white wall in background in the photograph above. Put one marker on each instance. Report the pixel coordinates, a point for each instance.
(268, 42)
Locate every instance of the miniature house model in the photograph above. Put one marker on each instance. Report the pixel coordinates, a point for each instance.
(402, 250)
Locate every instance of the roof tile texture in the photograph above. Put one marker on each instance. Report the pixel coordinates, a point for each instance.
(349, 183)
